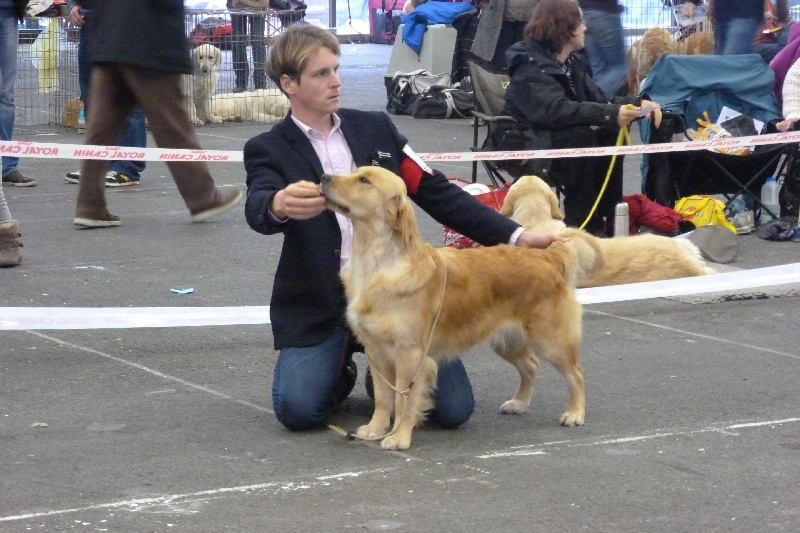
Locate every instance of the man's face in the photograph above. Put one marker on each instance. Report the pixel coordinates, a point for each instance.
(317, 92)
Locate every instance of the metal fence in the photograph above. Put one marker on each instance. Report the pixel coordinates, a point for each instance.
(47, 76)
(47, 64)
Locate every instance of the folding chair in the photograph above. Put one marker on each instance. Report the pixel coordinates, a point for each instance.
(688, 86)
(489, 89)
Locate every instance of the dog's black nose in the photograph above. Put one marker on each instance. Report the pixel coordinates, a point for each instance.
(326, 178)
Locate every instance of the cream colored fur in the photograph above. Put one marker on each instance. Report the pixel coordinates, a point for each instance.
(412, 305)
(199, 86)
(261, 105)
(632, 259)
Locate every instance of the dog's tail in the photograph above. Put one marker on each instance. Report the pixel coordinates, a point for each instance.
(586, 256)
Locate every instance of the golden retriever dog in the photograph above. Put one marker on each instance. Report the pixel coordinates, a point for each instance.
(657, 42)
(261, 105)
(199, 86)
(412, 305)
(631, 259)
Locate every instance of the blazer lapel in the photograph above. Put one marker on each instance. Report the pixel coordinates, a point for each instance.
(300, 144)
(356, 142)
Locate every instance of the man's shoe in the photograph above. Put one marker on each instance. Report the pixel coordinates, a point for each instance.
(113, 179)
(239, 89)
(118, 179)
(224, 201)
(16, 179)
(108, 221)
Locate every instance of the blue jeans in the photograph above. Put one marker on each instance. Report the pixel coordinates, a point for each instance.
(307, 382)
(135, 133)
(241, 67)
(735, 36)
(605, 45)
(9, 42)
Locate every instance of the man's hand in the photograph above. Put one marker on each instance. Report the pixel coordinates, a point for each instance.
(75, 17)
(300, 201)
(538, 239)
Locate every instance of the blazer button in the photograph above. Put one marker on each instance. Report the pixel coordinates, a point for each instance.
(337, 253)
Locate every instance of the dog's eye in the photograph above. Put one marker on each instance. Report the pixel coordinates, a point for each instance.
(363, 179)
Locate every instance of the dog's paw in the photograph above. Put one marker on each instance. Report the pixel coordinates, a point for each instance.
(369, 433)
(572, 418)
(513, 407)
(396, 442)
(215, 119)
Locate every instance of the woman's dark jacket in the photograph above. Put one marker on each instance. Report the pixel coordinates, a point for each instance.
(540, 99)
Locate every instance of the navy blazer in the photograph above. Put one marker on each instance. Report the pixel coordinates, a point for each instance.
(308, 299)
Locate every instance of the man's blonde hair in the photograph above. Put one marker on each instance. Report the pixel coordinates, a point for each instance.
(291, 49)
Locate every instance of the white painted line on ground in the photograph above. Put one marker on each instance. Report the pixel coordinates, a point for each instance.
(699, 335)
(187, 503)
(545, 448)
(154, 372)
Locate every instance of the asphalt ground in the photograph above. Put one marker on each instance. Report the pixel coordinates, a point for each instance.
(692, 417)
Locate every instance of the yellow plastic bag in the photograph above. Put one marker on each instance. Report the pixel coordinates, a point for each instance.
(702, 210)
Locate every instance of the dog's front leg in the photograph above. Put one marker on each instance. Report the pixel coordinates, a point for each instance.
(384, 397)
(412, 400)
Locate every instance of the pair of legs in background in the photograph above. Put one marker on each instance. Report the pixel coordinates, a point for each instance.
(310, 382)
(241, 66)
(114, 91)
(120, 173)
(9, 44)
(605, 46)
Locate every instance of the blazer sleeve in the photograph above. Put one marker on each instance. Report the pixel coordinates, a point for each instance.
(265, 177)
(448, 203)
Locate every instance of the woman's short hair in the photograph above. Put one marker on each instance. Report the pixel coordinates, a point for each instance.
(289, 52)
(553, 23)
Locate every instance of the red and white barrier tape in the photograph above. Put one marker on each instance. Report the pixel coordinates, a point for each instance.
(112, 153)
(30, 318)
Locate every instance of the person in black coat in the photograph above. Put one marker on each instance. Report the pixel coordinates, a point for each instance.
(139, 51)
(556, 104)
(315, 371)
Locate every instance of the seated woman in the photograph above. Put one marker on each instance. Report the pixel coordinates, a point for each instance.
(557, 105)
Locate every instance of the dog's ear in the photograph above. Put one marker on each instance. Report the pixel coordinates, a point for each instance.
(217, 57)
(555, 210)
(401, 217)
(508, 203)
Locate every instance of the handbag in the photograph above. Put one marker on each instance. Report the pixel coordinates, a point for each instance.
(259, 5)
(405, 88)
(441, 102)
(493, 200)
(703, 210)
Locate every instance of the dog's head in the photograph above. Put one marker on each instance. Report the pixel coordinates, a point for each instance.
(533, 205)
(374, 196)
(206, 58)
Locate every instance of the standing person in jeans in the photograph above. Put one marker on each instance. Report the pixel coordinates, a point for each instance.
(120, 173)
(10, 12)
(315, 370)
(735, 23)
(605, 43)
(126, 74)
(241, 67)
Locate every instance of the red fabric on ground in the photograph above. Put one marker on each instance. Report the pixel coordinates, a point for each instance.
(642, 211)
